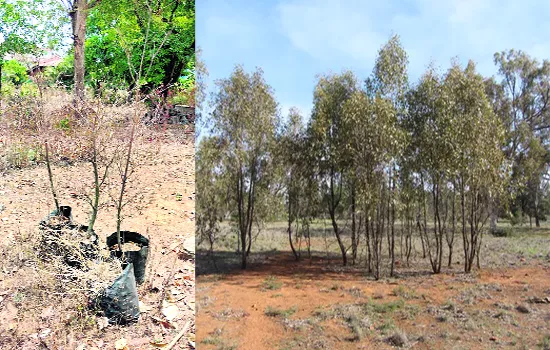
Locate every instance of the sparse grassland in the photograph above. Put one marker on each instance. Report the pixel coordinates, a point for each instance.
(344, 308)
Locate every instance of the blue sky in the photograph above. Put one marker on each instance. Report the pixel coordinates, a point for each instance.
(294, 40)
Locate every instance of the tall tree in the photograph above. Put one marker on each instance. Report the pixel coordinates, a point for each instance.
(374, 140)
(27, 27)
(429, 126)
(291, 148)
(476, 141)
(390, 80)
(78, 13)
(329, 138)
(522, 101)
(245, 120)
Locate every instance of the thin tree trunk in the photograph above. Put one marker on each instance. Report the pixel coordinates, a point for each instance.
(332, 211)
(50, 175)
(353, 227)
(368, 240)
(79, 16)
(290, 227)
(123, 188)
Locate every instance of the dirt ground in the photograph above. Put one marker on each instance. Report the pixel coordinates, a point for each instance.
(283, 304)
(163, 186)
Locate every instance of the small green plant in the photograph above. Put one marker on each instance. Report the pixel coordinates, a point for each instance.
(404, 292)
(211, 341)
(271, 283)
(545, 343)
(18, 298)
(64, 125)
(274, 312)
(383, 308)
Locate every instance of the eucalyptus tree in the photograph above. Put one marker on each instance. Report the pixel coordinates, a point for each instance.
(431, 148)
(329, 139)
(291, 150)
(374, 140)
(211, 186)
(522, 101)
(244, 119)
(477, 138)
(390, 80)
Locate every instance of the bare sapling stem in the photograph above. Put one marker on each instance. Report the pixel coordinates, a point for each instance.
(51, 179)
(123, 187)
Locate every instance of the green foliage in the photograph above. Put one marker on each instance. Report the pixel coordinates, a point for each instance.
(139, 43)
(243, 125)
(29, 90)
(62, 74)
(14, 72)
(64, 125)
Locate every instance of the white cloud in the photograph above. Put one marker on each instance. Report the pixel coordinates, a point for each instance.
(328, 30)
(430, 29)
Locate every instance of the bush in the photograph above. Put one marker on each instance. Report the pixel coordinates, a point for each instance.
(29, 90)
(8, 89)
(517, 218)
(14, 72)
(501, 232)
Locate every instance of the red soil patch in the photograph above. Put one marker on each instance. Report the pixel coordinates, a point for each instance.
(473, 321)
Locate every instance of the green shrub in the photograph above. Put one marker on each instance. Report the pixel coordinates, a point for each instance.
(501, 232)
(14, 72)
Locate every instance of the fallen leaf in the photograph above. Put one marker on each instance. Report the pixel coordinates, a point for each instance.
(164, 323)
(121, 344)
(169, 310)
(158, 344)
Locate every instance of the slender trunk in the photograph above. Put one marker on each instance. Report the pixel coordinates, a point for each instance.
(392, 249)
(79, 14)
(51, 178)
(367, 234)
(1, 64)
(388, 231)
(95, 203)
(353, 227)
(464, 237)
(434, 260)
(290, 227)
(493, 213)
(332, 211)
(537, 222)
(123, 187)
(450, 240)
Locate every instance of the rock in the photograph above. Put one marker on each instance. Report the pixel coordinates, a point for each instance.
(523, 309)
(398, 339)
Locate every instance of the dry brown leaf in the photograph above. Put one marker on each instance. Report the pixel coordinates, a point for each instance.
(158, 344)
(164, 323)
